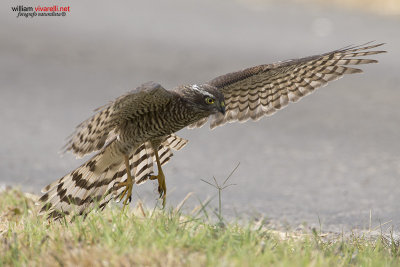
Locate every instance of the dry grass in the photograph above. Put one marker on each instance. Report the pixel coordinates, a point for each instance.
(168, 238)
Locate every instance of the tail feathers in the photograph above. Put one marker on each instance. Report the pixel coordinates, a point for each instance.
(142, 164)
(111, 192)
(164, 152)
(79, 190)
(142, 160)
(175, 142)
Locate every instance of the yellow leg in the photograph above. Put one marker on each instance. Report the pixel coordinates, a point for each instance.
(162, 188)
(128, 184)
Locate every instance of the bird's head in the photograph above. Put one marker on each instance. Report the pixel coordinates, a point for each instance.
(205, 98)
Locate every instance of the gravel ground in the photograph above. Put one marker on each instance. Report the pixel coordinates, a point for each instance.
(331, 158)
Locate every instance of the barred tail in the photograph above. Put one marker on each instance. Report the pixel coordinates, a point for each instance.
(142, 164)
(78, 191)
(93, 182)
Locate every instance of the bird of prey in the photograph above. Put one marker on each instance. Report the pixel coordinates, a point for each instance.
(138, 128)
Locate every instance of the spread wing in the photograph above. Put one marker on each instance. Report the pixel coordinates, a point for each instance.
(262, 90)
(92, 134)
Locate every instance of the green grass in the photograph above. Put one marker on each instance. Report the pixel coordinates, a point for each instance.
(168, 238)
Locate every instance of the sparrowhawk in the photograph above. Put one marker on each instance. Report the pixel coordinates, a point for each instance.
(139, 127)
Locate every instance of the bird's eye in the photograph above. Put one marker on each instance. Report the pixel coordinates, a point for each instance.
(210, 100)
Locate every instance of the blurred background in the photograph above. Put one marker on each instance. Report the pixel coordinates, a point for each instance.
(333, 158)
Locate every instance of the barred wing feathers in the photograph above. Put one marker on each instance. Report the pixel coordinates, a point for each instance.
(262, 90)
(92, 134)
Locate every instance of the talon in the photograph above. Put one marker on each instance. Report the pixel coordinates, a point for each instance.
(163, 201)
(160, 191)
(162, 188)
(127, 193)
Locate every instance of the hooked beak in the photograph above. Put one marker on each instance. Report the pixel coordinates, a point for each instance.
(222, 108)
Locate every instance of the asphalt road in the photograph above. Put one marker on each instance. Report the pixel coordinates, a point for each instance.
(333, 157)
